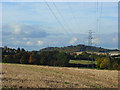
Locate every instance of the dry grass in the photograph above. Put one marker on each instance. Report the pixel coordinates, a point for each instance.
(33, 76)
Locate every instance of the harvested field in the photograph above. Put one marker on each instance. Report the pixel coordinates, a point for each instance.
(33, 76)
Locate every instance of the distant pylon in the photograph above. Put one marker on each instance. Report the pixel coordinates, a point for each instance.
(90, 38)
(90, 42)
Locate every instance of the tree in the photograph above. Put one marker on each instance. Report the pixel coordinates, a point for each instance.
(24, 59)
(99, 61)
(33, 59)
(62, 59)
(93, 57)
(18, 50)
(53, 58)
(23, 50)
(42, 59)
(106, 64)
(115, 65)
(5, 47)
(16, 58)
(8, 59)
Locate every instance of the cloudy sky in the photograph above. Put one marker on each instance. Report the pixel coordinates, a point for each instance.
(36, 25)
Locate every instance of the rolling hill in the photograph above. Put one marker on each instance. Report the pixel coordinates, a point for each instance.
(78, 48)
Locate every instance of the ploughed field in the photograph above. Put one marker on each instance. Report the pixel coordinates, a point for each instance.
(35, 76)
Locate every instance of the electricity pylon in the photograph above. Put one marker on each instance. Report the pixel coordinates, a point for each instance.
(90, 38)
(90, 42)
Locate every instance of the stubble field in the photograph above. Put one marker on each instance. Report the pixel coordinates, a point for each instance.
(34, 76)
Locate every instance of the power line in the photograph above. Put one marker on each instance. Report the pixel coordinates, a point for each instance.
(100, 16)
(99, 23)
(73, 15)
(97, 14)
(69, 29)
(70, 8)
(62, 16)
(55, 16)
(59, 22)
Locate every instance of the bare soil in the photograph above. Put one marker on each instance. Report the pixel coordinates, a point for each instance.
(35, 76)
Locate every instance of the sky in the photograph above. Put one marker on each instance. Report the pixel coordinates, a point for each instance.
(36, 25)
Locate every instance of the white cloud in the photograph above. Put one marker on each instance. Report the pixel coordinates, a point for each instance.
(12, 38)
(29, 43)
(24, 38)
(95, 41)
(16, 42)
(26, 32)
(73, 40)
(39, 42)
(16, 28)
(115, 39)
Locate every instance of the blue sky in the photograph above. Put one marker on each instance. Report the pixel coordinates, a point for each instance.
(34, 26)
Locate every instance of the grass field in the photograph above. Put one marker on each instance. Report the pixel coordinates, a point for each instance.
(34, 76)
(82, 62)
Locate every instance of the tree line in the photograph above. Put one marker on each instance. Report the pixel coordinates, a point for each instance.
(102, 61)
(56, 58)
(51, 58)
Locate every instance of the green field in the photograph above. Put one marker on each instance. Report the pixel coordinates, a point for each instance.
(82, 62)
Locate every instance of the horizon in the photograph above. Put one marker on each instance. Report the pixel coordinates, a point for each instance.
(57, 47)
(34, 26)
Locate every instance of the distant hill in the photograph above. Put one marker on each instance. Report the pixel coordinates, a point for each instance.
(78, 48)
